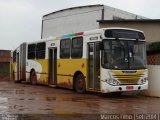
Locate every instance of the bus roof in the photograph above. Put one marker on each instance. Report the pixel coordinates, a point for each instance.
(89, 32)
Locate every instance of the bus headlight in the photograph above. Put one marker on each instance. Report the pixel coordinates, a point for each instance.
(112, 82)
(143, 80)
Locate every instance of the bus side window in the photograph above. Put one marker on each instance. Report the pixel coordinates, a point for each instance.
(65, 48)
(41, 50)
(31, 51)
(77, 47)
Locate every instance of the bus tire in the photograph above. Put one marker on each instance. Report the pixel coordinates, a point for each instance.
(33, 78)
(80, 85)
(115, 94)
(13, 76)
(17, 81)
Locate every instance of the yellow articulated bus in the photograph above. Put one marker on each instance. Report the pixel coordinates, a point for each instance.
(102, 60)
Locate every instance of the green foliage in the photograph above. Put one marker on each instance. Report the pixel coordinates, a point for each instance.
(154, 47)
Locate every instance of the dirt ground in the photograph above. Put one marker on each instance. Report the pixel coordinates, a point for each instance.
(35, 102)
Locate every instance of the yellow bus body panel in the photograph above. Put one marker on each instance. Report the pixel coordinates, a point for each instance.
(66, 68)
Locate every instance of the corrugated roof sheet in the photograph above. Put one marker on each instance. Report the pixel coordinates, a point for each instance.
(130, 20)
(73, 8)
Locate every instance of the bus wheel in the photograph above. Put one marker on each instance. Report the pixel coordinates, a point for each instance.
(116, 94)
(80, 85)
(33, 78)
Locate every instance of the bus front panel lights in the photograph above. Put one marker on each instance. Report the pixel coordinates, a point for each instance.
(139, 87)
(120, 88)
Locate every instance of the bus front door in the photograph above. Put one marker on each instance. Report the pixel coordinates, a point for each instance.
(52, 71)
(94, 66)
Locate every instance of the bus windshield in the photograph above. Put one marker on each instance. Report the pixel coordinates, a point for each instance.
(124, 54)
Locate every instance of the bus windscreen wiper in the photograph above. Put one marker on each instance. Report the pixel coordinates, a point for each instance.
(131, 52)
(122, 46)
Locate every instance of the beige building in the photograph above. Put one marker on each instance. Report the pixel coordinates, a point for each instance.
(150, 27)
(81, 18)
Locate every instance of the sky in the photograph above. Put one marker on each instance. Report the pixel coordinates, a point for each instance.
(20, 20)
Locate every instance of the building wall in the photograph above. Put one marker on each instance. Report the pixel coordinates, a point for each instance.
(4, 65)
(4, 56)
(4, 71)
(80, 19)
(153, 74)
(71, 21)
(113, 13)
(150, 28)
(153, 59)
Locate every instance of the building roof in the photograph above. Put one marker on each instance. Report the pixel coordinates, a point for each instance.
(97, 5)
(129, 20)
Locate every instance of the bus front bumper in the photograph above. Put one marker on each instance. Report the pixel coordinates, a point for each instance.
(106, 88)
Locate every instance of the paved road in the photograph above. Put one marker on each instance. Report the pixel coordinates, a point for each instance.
(43, 100)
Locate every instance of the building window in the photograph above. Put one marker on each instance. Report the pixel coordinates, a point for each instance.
(77, 47)
(31, 51)
(65, 48)
(40, 50)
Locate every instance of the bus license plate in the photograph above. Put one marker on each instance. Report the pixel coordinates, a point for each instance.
(129, 87)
